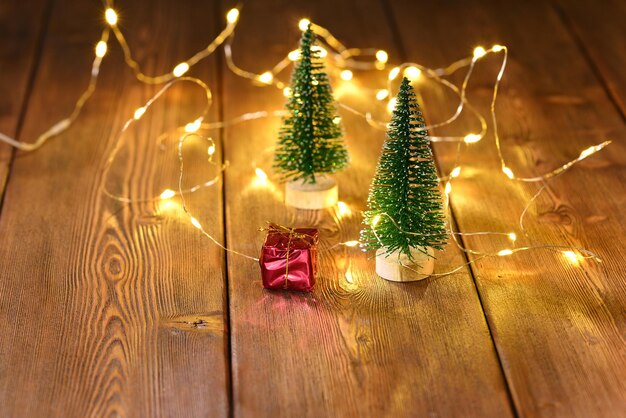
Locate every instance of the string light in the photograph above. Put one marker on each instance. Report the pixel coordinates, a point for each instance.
(260, 174)
(382, 94)
(232, 16)
(412, 73)
(391, 105)
(303, 24)
(346, 75)
(195, 222)
(571, 256)
(101, 49)
(294, 55)
(351, 243)
(343, 59)
(110, 16)
(287, 91)
(394, 73)
(479, 52)
(471, 138)
(266, 78)
(139, 113)
(193, 126)
(180, 69)
(167, 194)
(343, 209)
(337, 120)
(591, 150)
(382, 56)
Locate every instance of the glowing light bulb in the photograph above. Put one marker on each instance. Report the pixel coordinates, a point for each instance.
(382, 56)
(497, 48)
(343, 209)
(448, 188)
(193, 126)
(412, 73)
(337, 120)
(509, 173)
(587, 152)
(455, 172)
(110, 16)
(139, 113)
(101, 49)
(571, 256)
(232, 16)
(287, 92)
(303, 24)
(260, 174)
(382, 94)
(266, 78)
(294, 55)
(502, 253)
(479, 52)
(513, 236)
(391, 105)
(167, 194)
(180, 69)
(375, 220)
(346, 75)
(394, 73)
(472, 138)
(195, 222)
(351, 243)
(211, 150)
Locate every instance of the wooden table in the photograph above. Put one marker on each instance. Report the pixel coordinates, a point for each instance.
(111, 309)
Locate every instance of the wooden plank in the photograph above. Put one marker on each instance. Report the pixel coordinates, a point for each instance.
(559, 328)
(98, 299)
(600, 31)
(21, 27)
(358, 345)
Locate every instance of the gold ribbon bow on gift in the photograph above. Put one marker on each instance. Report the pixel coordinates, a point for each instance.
(292, 234)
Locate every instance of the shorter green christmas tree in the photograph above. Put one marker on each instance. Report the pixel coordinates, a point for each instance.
(405, 206)
(310, 140)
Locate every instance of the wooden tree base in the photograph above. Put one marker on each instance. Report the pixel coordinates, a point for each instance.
(319, 195)
(398, 268)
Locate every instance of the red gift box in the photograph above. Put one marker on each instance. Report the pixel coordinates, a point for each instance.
(289, 258)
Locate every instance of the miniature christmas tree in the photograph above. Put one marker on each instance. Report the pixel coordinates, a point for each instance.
(310, 142)
(405, 212)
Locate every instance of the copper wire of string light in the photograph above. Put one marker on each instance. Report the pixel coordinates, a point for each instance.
(62, 125)
(232, 17)
(138, 114)
(344, 58)
(195, 222)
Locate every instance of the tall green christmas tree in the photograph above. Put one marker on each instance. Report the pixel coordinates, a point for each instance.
(310, 140)
(405, 206)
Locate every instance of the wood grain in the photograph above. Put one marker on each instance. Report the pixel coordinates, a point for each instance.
(601, 34)
(22, 25)
(559, 328)
(109, 309)
(358, 345)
